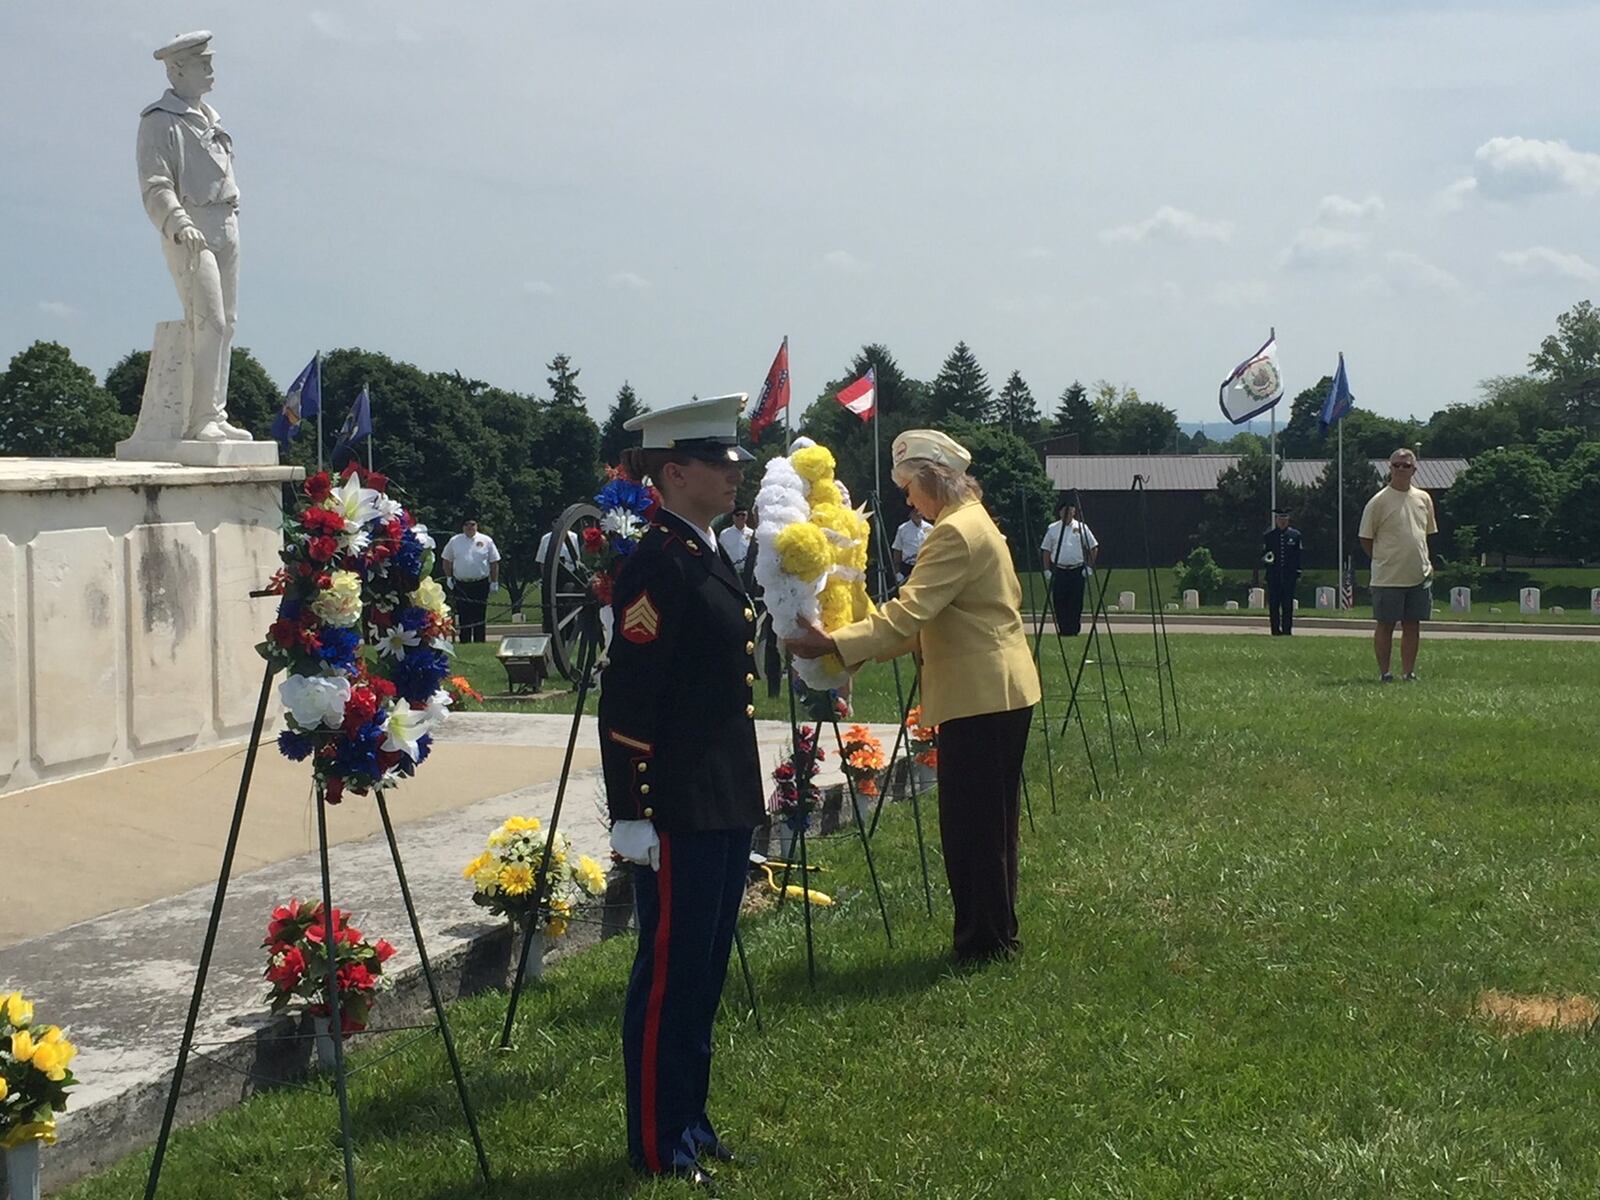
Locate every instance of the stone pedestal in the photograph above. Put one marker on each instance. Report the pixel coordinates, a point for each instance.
(1257, 598)
(1191, 598)
(1461, 599)
(126, 626)
(1528, 601)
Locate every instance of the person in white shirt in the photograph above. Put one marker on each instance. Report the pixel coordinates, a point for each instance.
(544, 549)
(1069, 550)
(736, 539)
(908, 540)
(472, 572)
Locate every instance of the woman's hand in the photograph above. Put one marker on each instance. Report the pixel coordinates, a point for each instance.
(811, 643)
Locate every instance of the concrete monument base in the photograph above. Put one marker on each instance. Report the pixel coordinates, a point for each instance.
(126, 626)
(190, 453)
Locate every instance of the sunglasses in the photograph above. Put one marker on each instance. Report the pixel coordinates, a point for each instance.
(1402, 466)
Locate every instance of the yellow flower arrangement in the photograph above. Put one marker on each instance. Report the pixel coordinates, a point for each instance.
(835, 606)
(505, 876)
(340, 602)
(16, 1010)
(804, 551)
(430, 596)
(35, 1073)
(813, 464)
(825, 491)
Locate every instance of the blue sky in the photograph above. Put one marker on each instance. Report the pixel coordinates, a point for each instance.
(1129, 191)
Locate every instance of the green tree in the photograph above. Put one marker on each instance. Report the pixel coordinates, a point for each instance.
(1509, 496)
(1243, 442)
(563, 382)
(1017, 410)
(614, 439)
(1075, 414)
(1016, 489)
(1130, 425)
(961, 388)
(1378, 436)
(1511, 409)
(1238, 512)
(51, 407)
(1200, 572)
(1302, 437)
(1557, 446)
(1577, 514)
(1569, 360)
(253, 399)
(1317, 514)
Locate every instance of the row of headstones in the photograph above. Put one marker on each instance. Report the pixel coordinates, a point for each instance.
(1460, 600)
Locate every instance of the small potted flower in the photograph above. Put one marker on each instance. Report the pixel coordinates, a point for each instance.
(863, 762)
(505, 876)
(922, 743)
(462, 693)
(297, 969)
(34, 1077)
(796, 795)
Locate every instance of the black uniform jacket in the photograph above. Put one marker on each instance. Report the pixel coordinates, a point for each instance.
(1284, 546)
(677, 714)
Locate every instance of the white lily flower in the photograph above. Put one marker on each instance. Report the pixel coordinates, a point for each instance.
(356, 504)
(424, 538)
(407, 726)
(314, 700)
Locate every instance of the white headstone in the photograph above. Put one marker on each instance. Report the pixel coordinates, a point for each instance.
(1528, 603)
(1460, 599)
(1191, 598)
(1594, 600)
(1125, 601)
(1294, 605)
(1171, 607)
(1257, 598)
(1493, 609)
(1557, 611)
(1325, 597)
(1230, 606)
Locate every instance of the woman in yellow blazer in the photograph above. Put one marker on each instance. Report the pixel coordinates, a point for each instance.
(961, 606)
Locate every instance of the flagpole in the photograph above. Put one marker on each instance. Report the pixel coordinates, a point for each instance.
(788, 431)
(1272, 445)
(1340, 560)
(318, 358)
(369, 426)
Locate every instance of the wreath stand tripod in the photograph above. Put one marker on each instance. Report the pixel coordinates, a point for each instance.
(340, 1071)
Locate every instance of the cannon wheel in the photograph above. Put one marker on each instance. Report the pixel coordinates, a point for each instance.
(565, 580)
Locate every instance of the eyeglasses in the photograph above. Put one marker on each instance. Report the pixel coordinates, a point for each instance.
(1402, 466)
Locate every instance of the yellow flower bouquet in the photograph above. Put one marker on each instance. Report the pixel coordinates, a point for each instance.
(35, 1073)
(504, 876)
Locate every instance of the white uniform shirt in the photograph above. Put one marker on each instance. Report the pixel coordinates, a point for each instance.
(544, 548)
(736, 542)
(1070, 553)
(908, 539)
(469, 557)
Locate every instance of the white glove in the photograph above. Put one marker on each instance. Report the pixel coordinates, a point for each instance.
(494, 586)
(637, 842)
(450, 582)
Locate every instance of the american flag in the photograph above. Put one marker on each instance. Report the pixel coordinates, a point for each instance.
(774, 397)
(1347, 589)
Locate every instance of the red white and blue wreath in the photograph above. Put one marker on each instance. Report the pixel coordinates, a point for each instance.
(363, 634)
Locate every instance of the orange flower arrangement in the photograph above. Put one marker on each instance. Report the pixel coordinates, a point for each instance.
(863, 759)
(923, 741)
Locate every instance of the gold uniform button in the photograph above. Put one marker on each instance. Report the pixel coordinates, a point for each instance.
(690, 543)
(749, 710)
(749, 647)
(749, 679)
(749, 614)
(644, 789)
(649, 812)
(643, 767)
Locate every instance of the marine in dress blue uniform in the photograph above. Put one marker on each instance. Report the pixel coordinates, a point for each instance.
(1280, 553)
(678, 745)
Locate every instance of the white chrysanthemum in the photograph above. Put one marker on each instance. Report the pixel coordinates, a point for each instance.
(314, 700)
(424, 538)
(622, 522)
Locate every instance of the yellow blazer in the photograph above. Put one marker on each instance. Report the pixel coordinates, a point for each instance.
(963, 603)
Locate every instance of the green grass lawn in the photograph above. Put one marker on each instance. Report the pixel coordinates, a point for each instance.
(1249, 970)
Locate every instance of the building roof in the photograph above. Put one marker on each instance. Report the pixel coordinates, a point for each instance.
(1200, 472)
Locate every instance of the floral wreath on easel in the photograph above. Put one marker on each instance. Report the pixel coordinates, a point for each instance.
(363, 634)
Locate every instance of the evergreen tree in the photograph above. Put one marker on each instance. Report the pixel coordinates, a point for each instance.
(51, 407)
(563, 382)
(1075, 414)
(1317, 515)
(962, 389)
(1018, 410)
(614, 439)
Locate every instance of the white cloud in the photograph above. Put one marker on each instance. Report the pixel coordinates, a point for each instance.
(57, 308)
(843, 261)
(629, 280)
(1417, 272)
(538, 287)
(1341, 208)
(1170, 224)
(1544, 263)
(1319, 246)
(1509, 168)
(1454, 198)
(1241, 293)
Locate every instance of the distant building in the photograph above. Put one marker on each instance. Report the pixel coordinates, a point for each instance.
(1175, 488)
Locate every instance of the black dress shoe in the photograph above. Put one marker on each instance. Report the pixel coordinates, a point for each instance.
(693, 1174)
(722, 1154)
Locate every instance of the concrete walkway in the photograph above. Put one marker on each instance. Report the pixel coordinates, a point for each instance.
(103, 929)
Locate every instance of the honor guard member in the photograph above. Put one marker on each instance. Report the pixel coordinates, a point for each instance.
(1280, 554)
(683, 778)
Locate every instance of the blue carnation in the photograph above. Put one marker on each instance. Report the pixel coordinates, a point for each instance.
(412, 618)
(624, 493)
(409, 557)
(417, 676)
(289, 608)
(294, 745)
(338, 647)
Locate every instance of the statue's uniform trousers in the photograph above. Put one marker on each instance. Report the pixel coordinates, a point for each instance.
(208, 282)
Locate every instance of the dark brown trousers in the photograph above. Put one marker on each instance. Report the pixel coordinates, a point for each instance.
(980, 788)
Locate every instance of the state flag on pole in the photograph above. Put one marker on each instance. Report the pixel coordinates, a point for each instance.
(357, 425)
(301, 402)
(1339, 400)
(1254, 386)
(861, 397)
(774, 396)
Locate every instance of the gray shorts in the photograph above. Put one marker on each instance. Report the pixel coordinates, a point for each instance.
(1391, 604)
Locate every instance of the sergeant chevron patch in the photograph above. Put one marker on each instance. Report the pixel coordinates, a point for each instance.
(641, 622)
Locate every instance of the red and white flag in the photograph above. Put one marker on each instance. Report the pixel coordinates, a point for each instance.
(774, 397)
(861, 397)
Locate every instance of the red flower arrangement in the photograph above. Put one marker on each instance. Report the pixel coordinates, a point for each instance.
(297, 963)
(796, 796)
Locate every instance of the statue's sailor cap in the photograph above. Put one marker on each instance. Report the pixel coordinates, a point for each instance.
(184, 41)
(706, 429)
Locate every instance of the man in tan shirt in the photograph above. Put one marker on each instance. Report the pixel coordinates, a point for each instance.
(1394, 532)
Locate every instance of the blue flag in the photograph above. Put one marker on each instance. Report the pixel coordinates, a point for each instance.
(301, 402)
(1339, 400)
(358, 425)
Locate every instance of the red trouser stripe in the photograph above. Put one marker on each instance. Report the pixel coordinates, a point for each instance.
(652, 1012)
